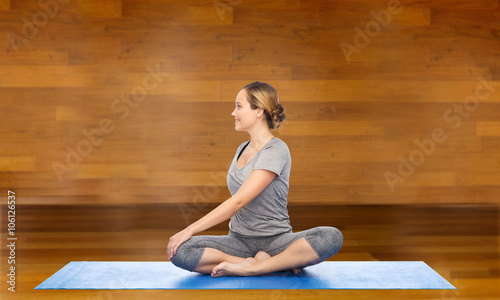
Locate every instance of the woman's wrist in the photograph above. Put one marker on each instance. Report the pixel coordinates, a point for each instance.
(190, 229)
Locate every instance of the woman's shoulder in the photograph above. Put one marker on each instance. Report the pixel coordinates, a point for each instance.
(278, 144)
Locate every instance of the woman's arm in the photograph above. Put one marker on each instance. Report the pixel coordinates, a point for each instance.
(251, 188)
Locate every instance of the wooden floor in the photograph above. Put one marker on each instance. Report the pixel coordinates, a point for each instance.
(460, 242)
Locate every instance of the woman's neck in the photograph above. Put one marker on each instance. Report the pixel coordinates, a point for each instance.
(260, 138)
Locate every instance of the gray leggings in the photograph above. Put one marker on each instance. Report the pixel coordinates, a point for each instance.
(326, 241)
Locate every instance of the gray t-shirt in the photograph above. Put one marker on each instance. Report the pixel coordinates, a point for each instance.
(267, 213)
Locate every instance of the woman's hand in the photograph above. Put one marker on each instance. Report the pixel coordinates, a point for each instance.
(176, 240)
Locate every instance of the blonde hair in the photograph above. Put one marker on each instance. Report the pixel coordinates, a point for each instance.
(263, 95)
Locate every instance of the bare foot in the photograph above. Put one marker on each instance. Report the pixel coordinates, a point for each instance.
(244, 268)
(261, 255)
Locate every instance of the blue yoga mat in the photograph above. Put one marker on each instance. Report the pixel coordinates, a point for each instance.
(326, 275)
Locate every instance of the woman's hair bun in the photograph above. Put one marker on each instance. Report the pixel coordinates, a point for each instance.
(278, 115)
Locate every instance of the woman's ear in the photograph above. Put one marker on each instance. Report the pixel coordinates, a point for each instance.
(260, 112)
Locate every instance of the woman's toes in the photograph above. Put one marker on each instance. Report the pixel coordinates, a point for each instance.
(218, 270)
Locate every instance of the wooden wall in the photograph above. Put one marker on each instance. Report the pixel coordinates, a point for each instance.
(123, 101)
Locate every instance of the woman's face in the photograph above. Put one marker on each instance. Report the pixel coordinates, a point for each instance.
(245, 116)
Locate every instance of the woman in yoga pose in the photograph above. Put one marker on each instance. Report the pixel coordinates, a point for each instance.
(260, 238)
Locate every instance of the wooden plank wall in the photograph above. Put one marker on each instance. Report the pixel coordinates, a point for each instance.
(123, 101)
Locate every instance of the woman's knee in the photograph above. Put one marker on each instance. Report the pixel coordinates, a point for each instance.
(180, 257)
(187, 256)
(327, 242)
(336, 237)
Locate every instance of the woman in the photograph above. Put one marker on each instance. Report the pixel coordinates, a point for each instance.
(260, 238)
